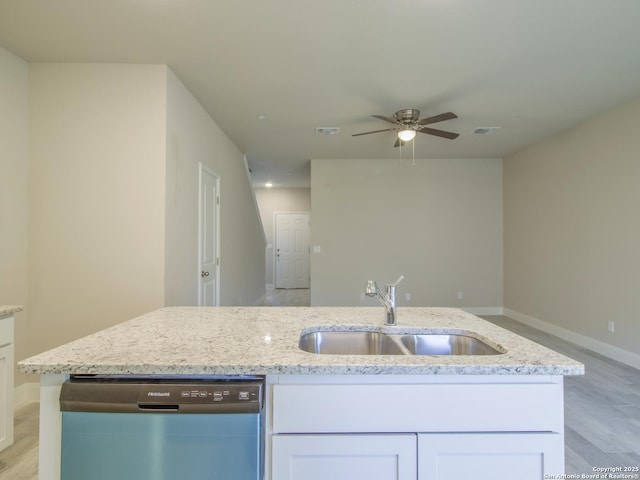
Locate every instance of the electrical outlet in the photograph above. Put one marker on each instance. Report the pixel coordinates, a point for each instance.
(611, 326)
(459, 295)
(407, 297)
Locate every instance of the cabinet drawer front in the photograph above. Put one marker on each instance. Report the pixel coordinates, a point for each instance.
(417, 408)
(6, 331)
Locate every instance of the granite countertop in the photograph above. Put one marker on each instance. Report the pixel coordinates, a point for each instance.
(264, 340)
(6, 310)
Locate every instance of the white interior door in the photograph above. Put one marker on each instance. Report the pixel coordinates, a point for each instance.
(292, 250)
(209, 260)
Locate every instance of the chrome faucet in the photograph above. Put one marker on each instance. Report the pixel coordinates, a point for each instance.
(388, 298)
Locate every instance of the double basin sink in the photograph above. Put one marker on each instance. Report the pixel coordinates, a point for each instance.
(361, 342)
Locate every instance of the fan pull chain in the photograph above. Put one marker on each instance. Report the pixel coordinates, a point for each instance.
(413, 146)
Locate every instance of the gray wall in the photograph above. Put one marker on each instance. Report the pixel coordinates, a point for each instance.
(439, 223)
(572, 230)
(97, 197)
(14, 205)
(193, 137)
(112, 154)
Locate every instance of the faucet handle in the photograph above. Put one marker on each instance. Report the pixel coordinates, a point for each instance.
(398, 280)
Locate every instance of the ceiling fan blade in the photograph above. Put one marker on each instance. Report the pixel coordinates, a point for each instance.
(375, 131)
(437, 118)
(399, 143)
(386, 119)
(439, 133)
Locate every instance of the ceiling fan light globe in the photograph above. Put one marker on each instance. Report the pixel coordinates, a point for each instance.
(407, 135)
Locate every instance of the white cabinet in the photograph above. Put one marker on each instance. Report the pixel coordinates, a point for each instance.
(490, 456)
(344, 457)
(417, 428)
(440, 456)
(6, 382)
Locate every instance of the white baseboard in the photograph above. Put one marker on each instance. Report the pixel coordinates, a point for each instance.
(25, 394)
(610, 351)
(483, 310)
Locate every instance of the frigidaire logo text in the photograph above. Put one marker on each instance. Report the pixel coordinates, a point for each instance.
(158, 394)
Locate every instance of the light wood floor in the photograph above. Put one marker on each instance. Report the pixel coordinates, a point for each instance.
(20, 460)
(602, 414)
(283, 297)
(602, 407)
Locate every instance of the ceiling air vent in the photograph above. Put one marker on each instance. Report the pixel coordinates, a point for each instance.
(327, 130)
(485, 130)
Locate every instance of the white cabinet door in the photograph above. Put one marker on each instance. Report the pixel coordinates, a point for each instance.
(490, 456)
(6, 396)
(344, 457)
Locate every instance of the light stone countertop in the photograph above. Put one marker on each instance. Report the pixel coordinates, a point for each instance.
(6, 310)
(264, 340)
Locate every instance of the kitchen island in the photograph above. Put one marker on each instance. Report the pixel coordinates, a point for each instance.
(399, 416)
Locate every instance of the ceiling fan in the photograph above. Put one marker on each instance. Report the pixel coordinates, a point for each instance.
(408, 123)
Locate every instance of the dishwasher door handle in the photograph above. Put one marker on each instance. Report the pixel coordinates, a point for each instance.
(158, 407)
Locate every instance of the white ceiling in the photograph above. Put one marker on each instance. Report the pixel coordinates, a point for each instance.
(532, 67)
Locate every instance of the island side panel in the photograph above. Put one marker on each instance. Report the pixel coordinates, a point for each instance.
(50, 426)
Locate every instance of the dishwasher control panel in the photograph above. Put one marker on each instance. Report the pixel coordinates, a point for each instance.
(200, 393)
(126, 395)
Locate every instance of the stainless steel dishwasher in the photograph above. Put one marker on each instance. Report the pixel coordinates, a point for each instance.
(129, 427)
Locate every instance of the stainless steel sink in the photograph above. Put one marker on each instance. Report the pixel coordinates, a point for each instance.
(349, 342)
(451, 344)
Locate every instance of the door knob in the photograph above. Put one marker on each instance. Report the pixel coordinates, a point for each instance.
(204, 274)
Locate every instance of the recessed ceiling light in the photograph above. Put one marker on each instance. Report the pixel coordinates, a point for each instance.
(485, 130)
(268, 184)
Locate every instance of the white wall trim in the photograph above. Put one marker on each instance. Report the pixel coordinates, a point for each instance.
(25, 394)
(610, 351)
(483, 310)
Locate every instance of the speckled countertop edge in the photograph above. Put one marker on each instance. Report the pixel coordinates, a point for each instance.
(264, 340)
(6, 310)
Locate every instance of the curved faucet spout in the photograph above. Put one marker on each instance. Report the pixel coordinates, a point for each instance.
(387, 298)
